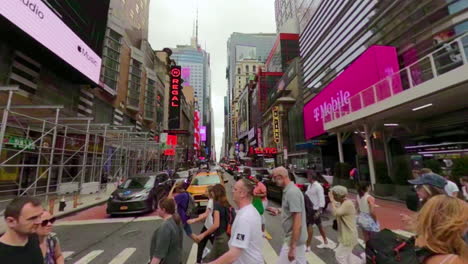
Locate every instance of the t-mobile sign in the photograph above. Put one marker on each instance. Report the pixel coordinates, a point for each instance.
(375, 64)
(40, 22)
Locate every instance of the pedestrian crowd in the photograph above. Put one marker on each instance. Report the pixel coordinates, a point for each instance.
(440, 224)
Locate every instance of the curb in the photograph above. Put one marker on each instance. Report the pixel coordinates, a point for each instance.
(79, 209)
(386, 198)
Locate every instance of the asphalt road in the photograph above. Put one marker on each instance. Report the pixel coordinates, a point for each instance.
(92, 237)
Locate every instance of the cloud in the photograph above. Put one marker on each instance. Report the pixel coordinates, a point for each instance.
(171, 24)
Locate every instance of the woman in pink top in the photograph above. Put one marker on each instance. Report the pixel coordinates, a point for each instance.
(260, 191)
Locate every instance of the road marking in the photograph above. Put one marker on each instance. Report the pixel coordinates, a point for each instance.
(267, 235)
(66, 254)
(331, 243)
(147, 218)
(354, 258)
(193, 254)
(123, 256)
(88, 258)
(313, 259)
(268, 252)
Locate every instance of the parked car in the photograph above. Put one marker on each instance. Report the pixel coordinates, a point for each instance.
(200, 183)
(274, 192)
(139, 194)
(237, 172)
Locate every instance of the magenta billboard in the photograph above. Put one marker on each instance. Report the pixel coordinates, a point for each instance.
(40, 22)
(203, 133)
(375, 64)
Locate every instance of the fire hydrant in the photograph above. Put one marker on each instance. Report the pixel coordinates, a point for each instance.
(62, 204)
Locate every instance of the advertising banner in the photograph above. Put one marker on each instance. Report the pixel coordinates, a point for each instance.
(36, 19)
(203, 133)
(175, 89)
(375, 64)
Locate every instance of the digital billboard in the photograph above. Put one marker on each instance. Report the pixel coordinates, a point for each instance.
(203, 133)
(37, 20)
(375, 64)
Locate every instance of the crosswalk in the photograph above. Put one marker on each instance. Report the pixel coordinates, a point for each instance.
(269, 253)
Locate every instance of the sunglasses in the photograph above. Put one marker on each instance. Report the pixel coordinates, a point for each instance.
(46, 222)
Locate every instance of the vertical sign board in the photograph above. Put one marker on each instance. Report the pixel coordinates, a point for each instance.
(175, 89)
(276, 125)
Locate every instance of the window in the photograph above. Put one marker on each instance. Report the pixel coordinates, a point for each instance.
(238, 71)
(254, 69)
(246, 68)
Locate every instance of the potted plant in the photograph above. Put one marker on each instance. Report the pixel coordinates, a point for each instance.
(459, 169)
(403, 173)
(434, 165)
(384, 185)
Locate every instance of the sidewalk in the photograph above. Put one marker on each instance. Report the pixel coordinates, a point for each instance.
(388, 212)
(84, 202)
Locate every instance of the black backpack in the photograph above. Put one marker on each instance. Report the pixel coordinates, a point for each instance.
(385, 247)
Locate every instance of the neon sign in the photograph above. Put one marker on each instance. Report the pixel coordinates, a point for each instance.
(276, 126)
(268, 151)
(174, 97)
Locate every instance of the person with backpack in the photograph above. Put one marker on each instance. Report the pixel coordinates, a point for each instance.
(345, 214)
(185, 205)
(222, 213)
(440, 225)
(316, 195)
(367, 218)
(208, 217)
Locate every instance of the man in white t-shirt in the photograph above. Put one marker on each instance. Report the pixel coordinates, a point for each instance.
(316, 195)
(246, 235)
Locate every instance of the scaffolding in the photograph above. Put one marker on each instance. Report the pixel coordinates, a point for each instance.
(44, 153)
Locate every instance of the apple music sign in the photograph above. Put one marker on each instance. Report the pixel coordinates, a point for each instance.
(37, 20)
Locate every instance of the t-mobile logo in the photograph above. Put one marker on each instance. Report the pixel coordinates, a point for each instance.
(86, 55)
(33, 8)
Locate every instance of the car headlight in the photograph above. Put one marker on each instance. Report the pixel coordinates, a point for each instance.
(141, 196)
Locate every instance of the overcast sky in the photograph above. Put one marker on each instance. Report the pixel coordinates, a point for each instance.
(171, 24)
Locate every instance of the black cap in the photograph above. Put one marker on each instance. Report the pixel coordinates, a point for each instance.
(431, 179)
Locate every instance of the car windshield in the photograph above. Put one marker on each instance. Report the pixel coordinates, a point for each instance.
(206, 180)
(138, 183)
(301, 179)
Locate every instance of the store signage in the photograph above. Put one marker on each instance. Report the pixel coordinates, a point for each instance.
(276, 125)
(375, 64)
(196, 130)
(174, 97)
(259, 137)
(251, 134)
(177, 131)
(258, 151)
(171, 140)
(20, 143)
(36, 19)
(169, 152)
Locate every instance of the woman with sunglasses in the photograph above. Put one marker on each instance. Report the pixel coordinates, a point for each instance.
(48, 240)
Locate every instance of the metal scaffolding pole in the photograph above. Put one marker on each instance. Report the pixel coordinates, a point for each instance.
(101, 172)
(52, 152)
(39, 157)
(5, 113)
(85, 155)
(370, 157)
(60, 175)
(22, 166)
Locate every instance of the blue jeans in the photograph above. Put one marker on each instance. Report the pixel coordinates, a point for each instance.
(188, 229)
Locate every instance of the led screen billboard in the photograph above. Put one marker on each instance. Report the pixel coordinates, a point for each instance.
(42, 23)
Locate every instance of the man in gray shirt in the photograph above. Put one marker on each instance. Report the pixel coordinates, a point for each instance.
(294, 219)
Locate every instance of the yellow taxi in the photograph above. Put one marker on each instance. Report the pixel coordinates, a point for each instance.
(200, 183)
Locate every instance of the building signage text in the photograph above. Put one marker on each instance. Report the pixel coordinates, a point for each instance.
(276, 125)
(174, 97)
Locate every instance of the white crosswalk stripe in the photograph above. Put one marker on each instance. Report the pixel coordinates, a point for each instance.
(355, 259)
(269, 254)
(88, 258)
(331, 243)
(123, 256)
(66, 254)
(193, 254)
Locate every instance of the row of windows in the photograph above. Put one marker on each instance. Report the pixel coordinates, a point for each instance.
(384, 24)
(254, 69)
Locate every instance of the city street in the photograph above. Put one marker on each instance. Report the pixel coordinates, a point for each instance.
(92, 237)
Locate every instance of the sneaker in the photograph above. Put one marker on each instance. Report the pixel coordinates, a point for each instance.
(308, 249)
(323, 246)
